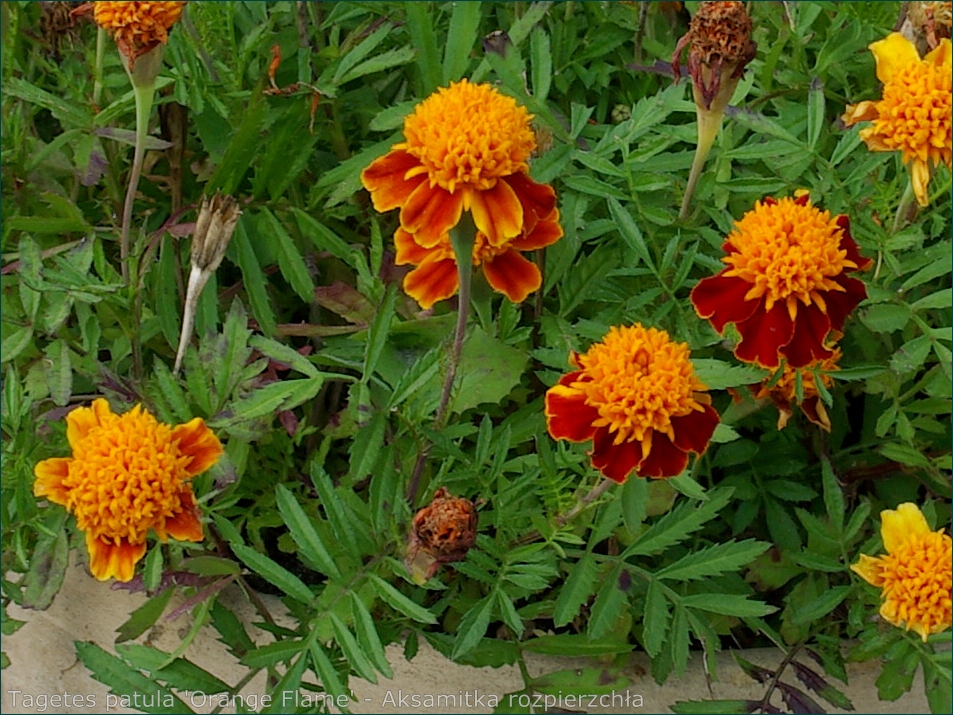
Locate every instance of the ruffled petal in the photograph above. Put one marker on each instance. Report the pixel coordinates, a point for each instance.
(545, 233)
(816, 412)
(721, 300)
(863, 112)
(198, 442)
(50, 474)
(497, 212)
(615, 461)
(81, 420)
(409, 251)
(892, 54)
(186, 525)
(432, 281)
(430, 213)
(920, 178)
(869, 569)
(941, 54)
(694, 430)
(538, 200)
(512, 275)
(664, 459)
(901, 524)
(386, 179)
(841, 304)
(763, 334)
(117, 561)
(807, 342)
(567, 414)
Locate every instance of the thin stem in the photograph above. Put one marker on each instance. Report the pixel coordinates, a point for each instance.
(144, 97)
(98, 68)
(903, 210)
(563, 519)
(197, 280)
(709, 122)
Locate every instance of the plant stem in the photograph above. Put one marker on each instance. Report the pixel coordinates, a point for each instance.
(98, 68)
(462, 237)
(563, 519)
(709, 122)
(144, 97)
(904, 208)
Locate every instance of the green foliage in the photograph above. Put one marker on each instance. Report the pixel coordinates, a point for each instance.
(324, 380)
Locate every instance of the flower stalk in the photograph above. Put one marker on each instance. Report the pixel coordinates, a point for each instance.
(145, 95)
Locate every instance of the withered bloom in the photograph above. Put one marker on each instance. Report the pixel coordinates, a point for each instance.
(442, 533)
(926, 23)
(719, 48)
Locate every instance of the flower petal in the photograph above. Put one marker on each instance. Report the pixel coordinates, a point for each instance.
(50, 474)
(567, 414)
(847, 243)
(386, 179)
(720, 299)
(497, 212)
(841, 304)
(81, 420)
(118, 560)
(941, 54)
(512, 275)
(408, 250)
(186, 525)
(432, 281)
(694, 430)
(807, 342)
(615, 461)
(538, 200)
(763, 334)
(901, 524)
(664, 459)
(920, 178)
(430, 212)
(198, 442)
(892, 54)
(863, 112)
(868, 568)
(545, 233)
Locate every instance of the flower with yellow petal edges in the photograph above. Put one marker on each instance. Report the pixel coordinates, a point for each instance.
(915, 573)
(636, 396)
(913, 117)
(466, 149)
(786, 287)
(137, 27)
(783, 392)
(128, 474)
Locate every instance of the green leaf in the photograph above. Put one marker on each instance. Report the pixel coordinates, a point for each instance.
(230, 629)
(581, 682)
(377, 333)
(292, 265)
(611, 601)
(819, 607)
(727, 604)
(180, 674)
(576, 589)
(886, 317)
(15, 342)
(420, 25)
(678, 524)
(290, 683)
(541, 62)
(329, 675)
(269, 655)
(703, 707)
(655, 619)
(304, 533)
(399, 602)
(47, 572)
(65, 111)
(254, 279)
(283, 354)
(379, 63)
(367, 635)
(815, 112)
(144, 617)
(833, 495)
(352, 651)
(59, 372)
(127, 683)
(574, 645)
(473, 626)
(275, 574)
(713, 560)
(360, 51)
(461, 38)
(323, 238)
(719, 375)
(212, 566)
(488, 371)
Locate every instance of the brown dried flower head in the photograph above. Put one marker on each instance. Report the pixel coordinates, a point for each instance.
(213, 231)
(442, 533)
(926, 23)
(719, 47)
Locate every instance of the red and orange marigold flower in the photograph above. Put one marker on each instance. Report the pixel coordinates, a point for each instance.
(915, 573)
(913, 117)
(786, 287)
(128, 474)
(466, 149)
(636, 396)
(137, 27)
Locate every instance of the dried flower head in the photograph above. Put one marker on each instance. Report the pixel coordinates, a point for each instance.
(466, 149)
(636, 396)
(129, 474)
(926, 23)
(442, 532)
(915, 573)
(784, 391)
(913, 117)
(786, 287)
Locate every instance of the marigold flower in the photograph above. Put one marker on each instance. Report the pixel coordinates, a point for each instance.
(442, 532)
(128, 474)
(913, 116)
(466, 149)
(137, 27)
(636, 396)
(786, 285)
(915, 573)
(784, 391)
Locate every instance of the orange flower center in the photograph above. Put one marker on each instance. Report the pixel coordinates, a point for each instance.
(788, 252)
(916, 582)
(126, 474)
(915, 112)
(638, 379)
(468, 135)
(138, 24)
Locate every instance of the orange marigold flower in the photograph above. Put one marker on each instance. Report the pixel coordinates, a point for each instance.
(784, 391)
(786, 285)
(913, 116)
(636, 396)
(915, 573)
(137, 27)
(466, 149)
(128, 474)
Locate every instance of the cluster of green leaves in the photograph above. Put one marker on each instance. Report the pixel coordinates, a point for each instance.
(322, 378)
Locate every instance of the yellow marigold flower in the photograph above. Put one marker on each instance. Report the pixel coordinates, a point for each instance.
(913, 116)
(636, 396)
(915, 573)
(466, 149)
(128, 474)
(784, 391)
(137, 27)
(786, 286)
